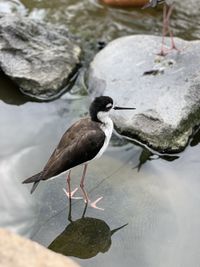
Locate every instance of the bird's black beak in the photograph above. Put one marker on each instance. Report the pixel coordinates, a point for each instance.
(122, 108)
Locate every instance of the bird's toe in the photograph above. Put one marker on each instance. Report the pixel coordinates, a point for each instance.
(71, 194)
(93, 204)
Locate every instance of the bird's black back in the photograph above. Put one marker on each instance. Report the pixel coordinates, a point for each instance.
(79, 144)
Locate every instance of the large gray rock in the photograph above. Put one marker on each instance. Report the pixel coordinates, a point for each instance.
(164, 90)
(39, 57)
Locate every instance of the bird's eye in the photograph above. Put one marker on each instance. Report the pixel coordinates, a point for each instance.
(109, 105)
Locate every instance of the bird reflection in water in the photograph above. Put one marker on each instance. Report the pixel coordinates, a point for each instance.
(84, 238)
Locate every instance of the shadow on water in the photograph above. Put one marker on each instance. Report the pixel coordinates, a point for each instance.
(84, 238)
(9, 92)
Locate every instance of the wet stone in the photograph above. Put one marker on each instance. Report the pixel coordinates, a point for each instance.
(12, 6)
(164, 90)
(40, 58)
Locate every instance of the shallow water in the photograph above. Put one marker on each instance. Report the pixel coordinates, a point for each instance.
(160, 202)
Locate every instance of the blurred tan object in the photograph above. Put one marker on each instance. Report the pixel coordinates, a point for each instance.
(16, 251)
(126, 3)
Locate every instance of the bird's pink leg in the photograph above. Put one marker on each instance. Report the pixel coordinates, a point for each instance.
(87, 200)
(164, 32)
(173, 46)
(82, 184)
(69, 193)
(167, 11)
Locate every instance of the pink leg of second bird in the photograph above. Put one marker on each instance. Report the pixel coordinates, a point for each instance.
(87, 200)
(167, 11)
(164, 32)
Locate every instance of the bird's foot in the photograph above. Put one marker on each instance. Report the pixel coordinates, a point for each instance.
(173, 47)
(71, 194)
(165, 51)
(93, 204)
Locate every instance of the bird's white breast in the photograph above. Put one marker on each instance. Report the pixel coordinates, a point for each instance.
(107, 128)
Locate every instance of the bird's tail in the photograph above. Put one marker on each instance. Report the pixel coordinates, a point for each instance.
(33, 179)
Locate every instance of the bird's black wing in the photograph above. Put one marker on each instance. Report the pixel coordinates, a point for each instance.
(83, 147)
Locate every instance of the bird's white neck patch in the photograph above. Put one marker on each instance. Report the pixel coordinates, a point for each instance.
(107, 128)
(107, 124)
(103, 116)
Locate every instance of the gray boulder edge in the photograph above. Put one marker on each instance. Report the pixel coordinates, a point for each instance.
(40, 58)
(167, 98)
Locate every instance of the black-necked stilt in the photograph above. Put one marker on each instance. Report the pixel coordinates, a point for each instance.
(84, 141)
(167, 11)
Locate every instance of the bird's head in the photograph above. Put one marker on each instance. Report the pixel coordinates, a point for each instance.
(101, 106)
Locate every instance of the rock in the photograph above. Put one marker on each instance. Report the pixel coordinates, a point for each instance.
(12, 6)
(164, 90)
(39, 57)
(189, 8)
(125, 3)
(16, 251)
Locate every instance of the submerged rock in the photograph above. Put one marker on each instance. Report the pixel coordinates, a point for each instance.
(164, 90)
(39, 57)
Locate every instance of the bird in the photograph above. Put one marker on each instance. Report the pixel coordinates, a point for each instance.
(168, 6)
(84, 141)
